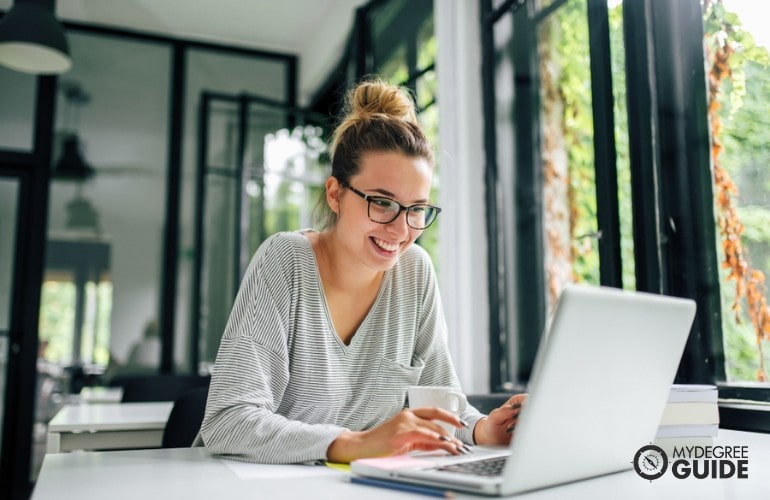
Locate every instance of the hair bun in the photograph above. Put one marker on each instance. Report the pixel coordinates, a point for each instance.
(372, 98)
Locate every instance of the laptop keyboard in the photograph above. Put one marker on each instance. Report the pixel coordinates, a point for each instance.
(486, 467)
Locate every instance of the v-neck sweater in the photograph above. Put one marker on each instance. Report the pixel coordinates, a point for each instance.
(284, 385)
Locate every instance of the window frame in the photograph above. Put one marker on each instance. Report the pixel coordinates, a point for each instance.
(673, 212)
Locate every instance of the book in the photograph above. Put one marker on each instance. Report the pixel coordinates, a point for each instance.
(693, 393)
(673, 431)
(690, 414)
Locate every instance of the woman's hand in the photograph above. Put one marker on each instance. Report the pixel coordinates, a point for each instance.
(408, 430)
(499, 425)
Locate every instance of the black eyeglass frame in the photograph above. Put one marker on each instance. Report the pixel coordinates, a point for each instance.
(401, 208)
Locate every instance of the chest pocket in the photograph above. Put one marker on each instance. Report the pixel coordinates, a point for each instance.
(388, 391)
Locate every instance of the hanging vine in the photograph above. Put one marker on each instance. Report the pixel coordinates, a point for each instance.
(749, 282)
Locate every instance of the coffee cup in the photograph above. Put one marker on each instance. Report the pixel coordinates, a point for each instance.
(445, 397)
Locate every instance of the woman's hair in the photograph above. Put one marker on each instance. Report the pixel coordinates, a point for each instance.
(378, 117)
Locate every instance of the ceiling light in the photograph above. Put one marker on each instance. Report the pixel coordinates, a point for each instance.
(71, 165)
(32, 40)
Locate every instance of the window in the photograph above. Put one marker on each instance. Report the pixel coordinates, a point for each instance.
(739, 83)
(562, 196)
(76, 305)
(404, 48)
(618, 96)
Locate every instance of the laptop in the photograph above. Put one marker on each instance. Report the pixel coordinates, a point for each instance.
(597, 392)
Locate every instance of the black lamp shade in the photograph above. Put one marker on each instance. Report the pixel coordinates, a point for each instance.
(71, 165)
(32, 40)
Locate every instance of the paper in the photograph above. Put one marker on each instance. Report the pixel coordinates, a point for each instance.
(338, 466)
(396, 462)
(245, 470)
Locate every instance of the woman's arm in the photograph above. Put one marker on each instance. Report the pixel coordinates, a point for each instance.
(251, 375)
(409, 430)
(241, 419)
(498, 427)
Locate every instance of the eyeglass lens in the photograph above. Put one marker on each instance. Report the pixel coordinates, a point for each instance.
(383, 210)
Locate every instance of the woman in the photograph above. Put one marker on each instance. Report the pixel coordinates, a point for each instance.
(330, 328)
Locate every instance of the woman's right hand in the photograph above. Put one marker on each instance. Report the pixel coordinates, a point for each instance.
(408, 430)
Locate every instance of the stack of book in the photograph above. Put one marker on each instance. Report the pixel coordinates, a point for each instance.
(690, 418)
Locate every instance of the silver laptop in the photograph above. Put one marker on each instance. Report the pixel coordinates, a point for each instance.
(596, 395)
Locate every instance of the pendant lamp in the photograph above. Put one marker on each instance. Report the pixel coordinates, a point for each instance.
(32, 40)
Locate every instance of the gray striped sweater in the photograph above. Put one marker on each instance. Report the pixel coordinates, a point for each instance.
(284, 385)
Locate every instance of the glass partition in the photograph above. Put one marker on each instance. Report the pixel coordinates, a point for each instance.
(107, 204)
(17, 100)
(232, 77)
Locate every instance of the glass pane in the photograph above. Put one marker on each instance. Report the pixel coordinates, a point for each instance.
(293, 181)
(272, 151)
(219, 283)
(622, 160)
(569, 199)
(407, 47)
(739, 83)
(395, 37)
(75, 323)
(426, 43)
(9, 198)
(232, 75)
(17, 100)
(96, 308)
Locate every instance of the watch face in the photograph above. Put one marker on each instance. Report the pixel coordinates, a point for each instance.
(650, 462)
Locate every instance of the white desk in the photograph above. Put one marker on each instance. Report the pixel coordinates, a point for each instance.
(101, 394)
(107, 426)
(191, 473)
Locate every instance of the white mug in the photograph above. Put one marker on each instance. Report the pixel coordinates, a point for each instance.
(445, 397)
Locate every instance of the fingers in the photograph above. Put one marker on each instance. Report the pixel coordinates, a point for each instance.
(519, 399)
(434, 413)
(513, 407)
(430, 435)
(455, 446)
(423, 438)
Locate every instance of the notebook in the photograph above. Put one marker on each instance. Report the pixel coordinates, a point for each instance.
(597, 391)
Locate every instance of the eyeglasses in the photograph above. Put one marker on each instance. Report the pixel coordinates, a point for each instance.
(384, 210)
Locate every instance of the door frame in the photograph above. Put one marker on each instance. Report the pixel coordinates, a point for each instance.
(32, 170)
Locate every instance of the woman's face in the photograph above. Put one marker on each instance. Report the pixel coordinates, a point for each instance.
(402, 178)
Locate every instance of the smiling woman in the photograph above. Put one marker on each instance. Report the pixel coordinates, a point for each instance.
(331, 328)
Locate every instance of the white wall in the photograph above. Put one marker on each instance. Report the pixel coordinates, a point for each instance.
(462, 237)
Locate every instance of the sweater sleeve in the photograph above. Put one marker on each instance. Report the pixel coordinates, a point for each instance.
(251, 374)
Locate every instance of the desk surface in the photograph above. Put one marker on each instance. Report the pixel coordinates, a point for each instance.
(110, 416)
(191, 473)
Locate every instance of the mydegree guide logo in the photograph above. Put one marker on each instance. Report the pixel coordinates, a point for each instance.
(699, 462)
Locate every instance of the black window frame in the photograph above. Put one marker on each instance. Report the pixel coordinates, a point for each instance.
(674, 223)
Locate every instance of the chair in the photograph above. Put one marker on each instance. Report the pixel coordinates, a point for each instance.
(185, 419)
(145, 388)
(485, 403)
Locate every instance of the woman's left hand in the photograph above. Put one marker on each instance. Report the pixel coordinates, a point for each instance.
(498, 427)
